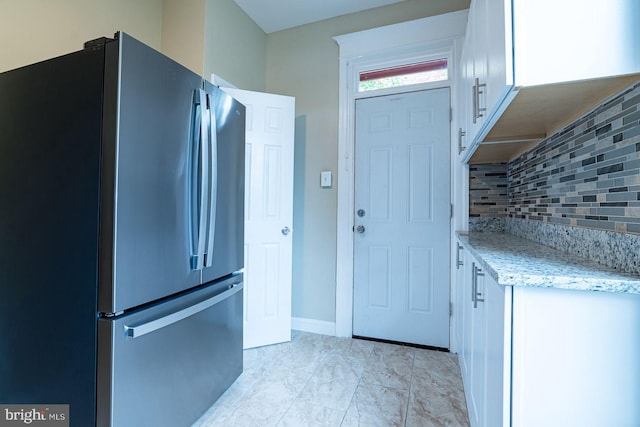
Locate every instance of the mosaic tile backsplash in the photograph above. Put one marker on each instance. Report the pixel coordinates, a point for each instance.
(577, 191)
(588, 174)
(488, 197)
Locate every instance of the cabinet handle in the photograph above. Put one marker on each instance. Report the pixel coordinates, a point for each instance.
(461, 133)
(473, 283)
(477, 110)
(459, 262)
(477, 296)
(474, 101)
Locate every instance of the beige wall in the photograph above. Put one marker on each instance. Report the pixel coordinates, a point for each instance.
(183, 26)
(34, 30)
(215, 36)
(303, 62)
(235, 47)
(204, 35)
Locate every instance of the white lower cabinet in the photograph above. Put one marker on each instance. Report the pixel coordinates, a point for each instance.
(478, 340)
(576, 358)
(483, 355)
(550, 357)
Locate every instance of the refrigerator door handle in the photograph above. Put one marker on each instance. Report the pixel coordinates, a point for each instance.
(136, 331)
(203, 155)
(195, 177)
(213, 190)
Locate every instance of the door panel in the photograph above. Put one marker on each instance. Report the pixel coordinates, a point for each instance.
(420, 267)
(268, 216)
(401, 259)
(380, 277)
(380, 178)
(420, 183)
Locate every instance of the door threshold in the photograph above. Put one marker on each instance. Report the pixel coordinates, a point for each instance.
(405, 344)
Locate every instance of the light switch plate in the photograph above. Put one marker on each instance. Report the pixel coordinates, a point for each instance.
(325, 179)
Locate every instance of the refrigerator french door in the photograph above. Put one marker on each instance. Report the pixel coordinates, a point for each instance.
(121, 194)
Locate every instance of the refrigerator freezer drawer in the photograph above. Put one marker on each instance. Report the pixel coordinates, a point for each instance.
(166, 364)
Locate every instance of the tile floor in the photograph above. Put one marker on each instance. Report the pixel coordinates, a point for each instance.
(318, 380)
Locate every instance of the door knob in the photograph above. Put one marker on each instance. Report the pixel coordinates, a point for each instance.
(360, 229)
(286, 231)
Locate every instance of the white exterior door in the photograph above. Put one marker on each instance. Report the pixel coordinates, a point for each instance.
(268, 216)
(402, 217)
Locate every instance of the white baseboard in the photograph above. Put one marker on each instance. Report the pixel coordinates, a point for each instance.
(314, 326)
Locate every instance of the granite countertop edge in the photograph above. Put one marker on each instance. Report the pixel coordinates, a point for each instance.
(514, 261)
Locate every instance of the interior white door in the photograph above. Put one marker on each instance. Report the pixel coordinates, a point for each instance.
(268, 216)
(402, 215)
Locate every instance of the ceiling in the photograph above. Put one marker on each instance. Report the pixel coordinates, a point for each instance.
(276, 15)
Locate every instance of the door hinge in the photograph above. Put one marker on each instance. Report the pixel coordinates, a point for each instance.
(451, 212)
(450, 309)
(450, 114)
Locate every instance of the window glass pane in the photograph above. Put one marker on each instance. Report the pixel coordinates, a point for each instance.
(405, 75)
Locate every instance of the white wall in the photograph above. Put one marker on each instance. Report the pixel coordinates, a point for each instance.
(34, 30)
(303, 62)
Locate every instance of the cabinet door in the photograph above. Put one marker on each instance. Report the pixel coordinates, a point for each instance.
(465, 309)
(485, 354)
(575, 358)
(487, 64)
(497, 305)
(461, 310)
(464, 93)
(477, 395)
(560, 41)
(499, 55)
(476, 67)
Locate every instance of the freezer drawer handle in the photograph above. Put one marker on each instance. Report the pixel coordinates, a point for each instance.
(154, 325)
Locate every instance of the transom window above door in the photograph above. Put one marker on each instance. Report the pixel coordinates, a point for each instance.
(405, 75)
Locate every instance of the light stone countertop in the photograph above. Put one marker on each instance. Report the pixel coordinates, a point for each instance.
(514, 261)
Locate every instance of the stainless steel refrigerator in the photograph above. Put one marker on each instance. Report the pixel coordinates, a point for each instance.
(121, 236)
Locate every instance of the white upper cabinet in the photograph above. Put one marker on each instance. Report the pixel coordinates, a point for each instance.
(568, 40)
(531, 67)
(499, 58)
(486, 65)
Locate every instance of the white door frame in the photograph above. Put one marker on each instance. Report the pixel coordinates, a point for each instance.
(409, 42)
